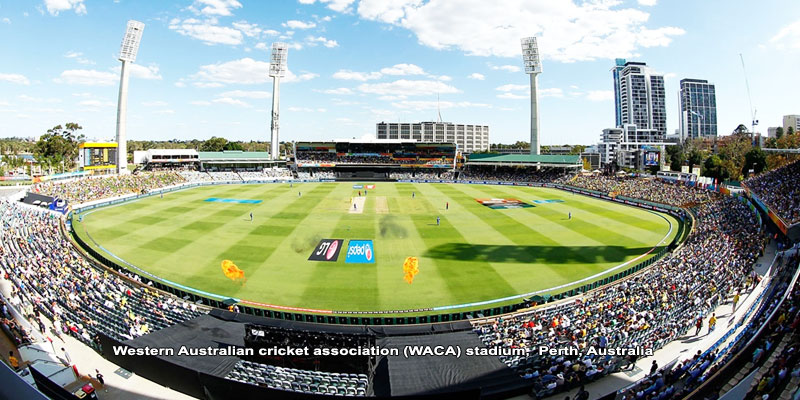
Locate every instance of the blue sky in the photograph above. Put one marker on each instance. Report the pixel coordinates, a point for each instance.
(201, 68)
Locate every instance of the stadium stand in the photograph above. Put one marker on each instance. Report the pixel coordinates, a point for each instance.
(649, 309)
(780, 190)
(52, 280)
(653, 190)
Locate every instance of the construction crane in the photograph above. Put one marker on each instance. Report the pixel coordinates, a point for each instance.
(753, 111)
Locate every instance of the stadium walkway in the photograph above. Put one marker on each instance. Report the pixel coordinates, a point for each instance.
(685, 346)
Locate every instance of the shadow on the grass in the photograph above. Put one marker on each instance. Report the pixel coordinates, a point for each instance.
(532, 254)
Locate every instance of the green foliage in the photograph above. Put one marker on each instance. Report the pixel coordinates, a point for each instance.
(714, 168)
(214, 144)
(779, 132)
(790, 131)
(59, 147)
(755, 159)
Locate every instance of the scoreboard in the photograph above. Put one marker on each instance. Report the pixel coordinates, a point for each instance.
(97, 156)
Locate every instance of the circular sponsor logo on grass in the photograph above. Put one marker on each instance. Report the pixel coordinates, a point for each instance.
(332, 250)
(368, 251)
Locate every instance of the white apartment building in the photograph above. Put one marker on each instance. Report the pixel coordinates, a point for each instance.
(468, 138)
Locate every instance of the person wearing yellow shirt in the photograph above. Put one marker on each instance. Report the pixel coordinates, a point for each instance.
(712, 322)
(13, 361)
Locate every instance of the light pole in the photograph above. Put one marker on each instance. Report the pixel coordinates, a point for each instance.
(699, 117)
(277, 69)
(533, 67)
(127, 54)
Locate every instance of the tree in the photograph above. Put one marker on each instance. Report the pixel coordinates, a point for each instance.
(214, 144)
(713, 167)
(675, 157)
(577, 149)
(59, 146)
(695, 158)
(779, 132)
(790, 130)
(755, 159)
(233, 146)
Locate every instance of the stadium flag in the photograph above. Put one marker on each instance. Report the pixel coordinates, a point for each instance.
(410, 269)
(231, 270)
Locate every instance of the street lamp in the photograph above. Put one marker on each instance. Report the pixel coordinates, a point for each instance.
(277, 69)
(127, 54)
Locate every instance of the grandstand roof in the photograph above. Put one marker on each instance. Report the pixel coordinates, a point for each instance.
(550, 160)
(233, 155)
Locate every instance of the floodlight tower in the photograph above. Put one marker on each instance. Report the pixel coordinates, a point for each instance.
(277, 69)
(127, 54)
(533, 67)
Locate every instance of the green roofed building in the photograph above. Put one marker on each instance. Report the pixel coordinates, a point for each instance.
(235, 159)
(527, 160)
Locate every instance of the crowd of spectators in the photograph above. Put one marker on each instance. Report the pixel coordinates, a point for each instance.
(780, 190)
(654, 190)
(647, 310)
(423, 175)
(513, 174)
(51, 280)
(316, 175)
(314, 157)
(93, 188)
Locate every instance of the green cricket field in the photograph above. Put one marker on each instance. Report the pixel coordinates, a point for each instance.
(478, 250)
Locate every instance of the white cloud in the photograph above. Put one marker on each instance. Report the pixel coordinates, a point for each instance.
(348, 75)
(551, 92)
(56, 6)
(180, 84)
(511, 87)
(338, 91)
(166, 111)
(335, 5)
(648, 3)
(407, 88)
(14, 78)
(78, 56)
(97, 103)
(476, 76)
(25, 97)
(215, 7)
(207, 31)
(249, 94)
(200, 103)
(6, 20)
(392, 98)
(231, 101)
(250, 30)
(306, 109)
(295, 24)
(600, 95)
(89, 77)
(510, 95)
(419, 105)
(788, 37)
(403, 69)
(143, 72)
(444, 78)
(243, 71)
(313, 41)
(154, 103)
(568, 30)
(507, 68)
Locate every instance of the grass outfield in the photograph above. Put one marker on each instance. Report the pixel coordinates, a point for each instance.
(476, 254)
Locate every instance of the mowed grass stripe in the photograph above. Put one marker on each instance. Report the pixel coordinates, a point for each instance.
(282, 276)
(250, 255)
(583, 221)
(460, 277)
(551, 241)
(332, 284)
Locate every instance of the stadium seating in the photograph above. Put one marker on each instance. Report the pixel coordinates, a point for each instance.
(780, 190)
(297, 380)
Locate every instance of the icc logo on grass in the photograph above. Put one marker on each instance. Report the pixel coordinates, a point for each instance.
(360, 251)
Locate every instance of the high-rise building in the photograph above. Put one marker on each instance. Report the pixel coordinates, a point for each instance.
(641, 97)
(698, 109)
(616, 72)
(631, 147)
(468, 138)
(792, 121)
